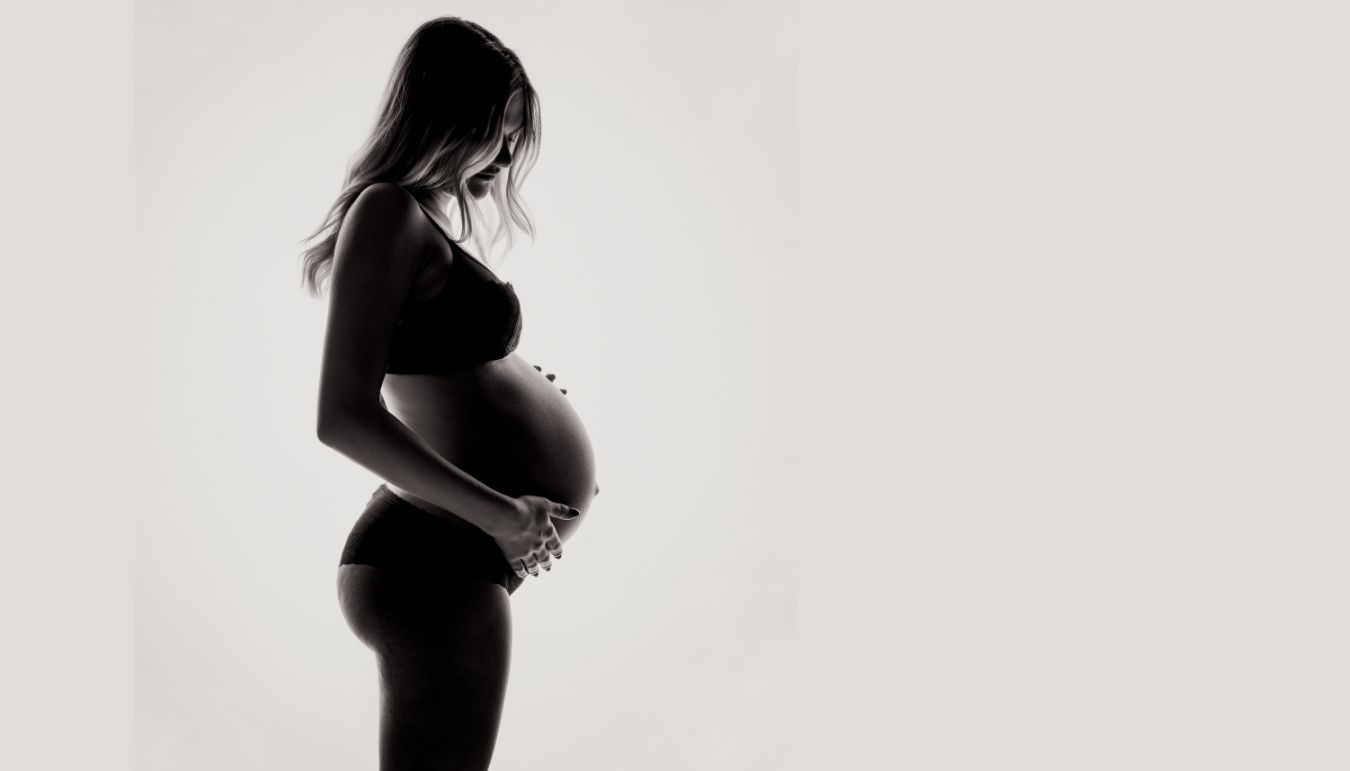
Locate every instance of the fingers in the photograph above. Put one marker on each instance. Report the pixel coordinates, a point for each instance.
(531, 564)
(542, 557)
(547, 544)
(551, 377)
(563, 511)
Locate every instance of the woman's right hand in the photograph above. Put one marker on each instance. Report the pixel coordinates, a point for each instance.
(530, 541)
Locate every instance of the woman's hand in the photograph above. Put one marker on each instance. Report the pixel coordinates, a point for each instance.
(531, 541)
(550, 377)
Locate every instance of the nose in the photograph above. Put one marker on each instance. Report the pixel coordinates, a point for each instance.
(504, 157)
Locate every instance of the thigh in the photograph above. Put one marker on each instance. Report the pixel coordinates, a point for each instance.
(442, 645)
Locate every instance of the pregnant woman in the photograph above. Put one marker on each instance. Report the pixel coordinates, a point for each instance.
(488, 470)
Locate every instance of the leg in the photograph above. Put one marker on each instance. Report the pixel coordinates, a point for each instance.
(442, 644)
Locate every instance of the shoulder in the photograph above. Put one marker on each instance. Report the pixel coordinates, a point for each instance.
(387, 193)
(385, 204)
(383, 218)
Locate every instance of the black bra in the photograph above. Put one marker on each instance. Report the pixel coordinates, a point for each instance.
(474, 319)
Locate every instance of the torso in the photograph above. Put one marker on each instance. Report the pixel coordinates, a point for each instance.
(501, 421)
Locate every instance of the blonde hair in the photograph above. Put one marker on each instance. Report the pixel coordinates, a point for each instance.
(442, 113)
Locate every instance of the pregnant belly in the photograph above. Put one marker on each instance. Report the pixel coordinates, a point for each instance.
(505, 424)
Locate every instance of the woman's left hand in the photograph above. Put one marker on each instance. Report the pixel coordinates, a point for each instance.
(550, 377)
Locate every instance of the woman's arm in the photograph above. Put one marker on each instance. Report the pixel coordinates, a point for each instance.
(382, 443)
(375, 262)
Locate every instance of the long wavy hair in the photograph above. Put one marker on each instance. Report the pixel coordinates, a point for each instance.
(442, 116)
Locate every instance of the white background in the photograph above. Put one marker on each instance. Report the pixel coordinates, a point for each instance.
(1066, 374)
(657, 290)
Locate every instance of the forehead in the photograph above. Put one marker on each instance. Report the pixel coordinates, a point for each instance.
(515, 111)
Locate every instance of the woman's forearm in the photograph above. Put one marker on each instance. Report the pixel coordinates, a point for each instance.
(382, 443)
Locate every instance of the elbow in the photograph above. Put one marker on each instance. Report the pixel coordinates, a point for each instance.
(339, 421)
(326, 431)
(333, 430)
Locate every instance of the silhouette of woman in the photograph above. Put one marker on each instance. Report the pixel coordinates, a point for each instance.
(488, 469)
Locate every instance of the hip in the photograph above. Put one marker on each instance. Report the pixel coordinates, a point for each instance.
(393, 533)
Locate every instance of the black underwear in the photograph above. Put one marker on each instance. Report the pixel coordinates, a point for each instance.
(394, 533)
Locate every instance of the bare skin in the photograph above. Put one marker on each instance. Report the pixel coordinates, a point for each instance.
(518, 456)
(443, 656)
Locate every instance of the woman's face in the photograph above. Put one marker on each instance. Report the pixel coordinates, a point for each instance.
(512, 123)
